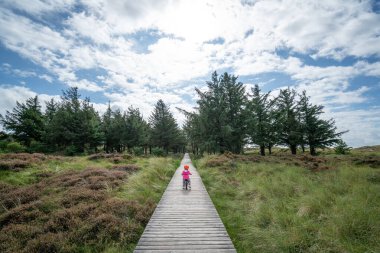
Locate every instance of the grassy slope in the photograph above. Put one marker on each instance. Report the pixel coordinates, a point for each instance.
(277, 206)
(118, 204)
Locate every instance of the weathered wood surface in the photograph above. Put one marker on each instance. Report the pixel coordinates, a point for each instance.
(185, 221)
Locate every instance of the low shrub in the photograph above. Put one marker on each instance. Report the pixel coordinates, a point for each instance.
(371, 161)
(37, 147)
(217, 161)
(158, 151)
(138, 151)
(15, 147)
(342, 148)
(13, 164)
(71, 150)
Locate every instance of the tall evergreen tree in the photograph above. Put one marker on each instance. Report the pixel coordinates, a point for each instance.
(287, 119)
(107, 129)
(192, 131)
(90, 134)
(318, 133)
(135, 129)
(259, 119)
(72, 123)
(25, 121)
(222, 114)
(165, 130)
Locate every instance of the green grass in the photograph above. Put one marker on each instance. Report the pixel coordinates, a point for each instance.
(114, 223)
(151, 182)
(274, 206)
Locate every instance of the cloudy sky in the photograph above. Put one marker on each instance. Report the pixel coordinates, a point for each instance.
(135, 52)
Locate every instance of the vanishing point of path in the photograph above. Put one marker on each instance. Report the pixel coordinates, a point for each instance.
(185, 221)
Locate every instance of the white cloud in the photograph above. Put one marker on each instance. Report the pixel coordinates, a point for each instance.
(363, 126)
(81, 24)
(85, 84)
(11, 94)
(46, 77)
(37, 7)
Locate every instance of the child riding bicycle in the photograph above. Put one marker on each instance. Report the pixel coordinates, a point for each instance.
(186, 177)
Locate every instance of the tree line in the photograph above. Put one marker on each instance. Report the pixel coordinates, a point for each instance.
(72, 125)
(227, 118)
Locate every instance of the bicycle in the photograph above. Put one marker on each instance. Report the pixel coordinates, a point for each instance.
(186, 184)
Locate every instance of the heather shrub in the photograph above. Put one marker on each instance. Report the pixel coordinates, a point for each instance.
(73, 210)
(217, 161)
(126, 167)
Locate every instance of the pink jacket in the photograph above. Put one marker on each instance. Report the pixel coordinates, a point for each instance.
(186, 174)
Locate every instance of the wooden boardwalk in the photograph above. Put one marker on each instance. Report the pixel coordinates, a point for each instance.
(185, 221)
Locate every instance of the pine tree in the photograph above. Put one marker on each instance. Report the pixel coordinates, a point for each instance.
(318, 133)
(72, 124)
(259, 119)
(287, 119)
(222, 114)
(106, 129)
(135, 129)
(25, 121)
(165, 130)
(118, 128)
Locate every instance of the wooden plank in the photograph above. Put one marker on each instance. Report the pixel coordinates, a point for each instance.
(185, 221)
(188, 251)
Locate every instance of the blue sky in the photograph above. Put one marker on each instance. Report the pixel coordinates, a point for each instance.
(133, 53)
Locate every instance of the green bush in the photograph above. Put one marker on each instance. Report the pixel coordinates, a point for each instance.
(37, 147)
(342, 148)
(3, 146)
(15, 147)
(138, 151)
(71, 150)
(158, 152)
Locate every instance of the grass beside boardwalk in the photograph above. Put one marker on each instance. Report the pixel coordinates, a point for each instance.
(98, 203)
(297, 204)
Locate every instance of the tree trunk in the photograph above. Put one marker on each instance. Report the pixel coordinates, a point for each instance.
(293, 148)
(262, 150)
(312, 150)
(303, 148)
(270, 149)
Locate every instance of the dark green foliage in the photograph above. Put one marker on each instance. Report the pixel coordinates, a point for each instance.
(261, 122)
(73, 124)
(227, 118)
(342, 148)
(219, 125)
(15, 147)
(138, 151)
(289, 127)
(165, 132)
(316, 132)
(37, 147)
(158, 151)
(124, 130)
(25, 122)
(135, 134)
